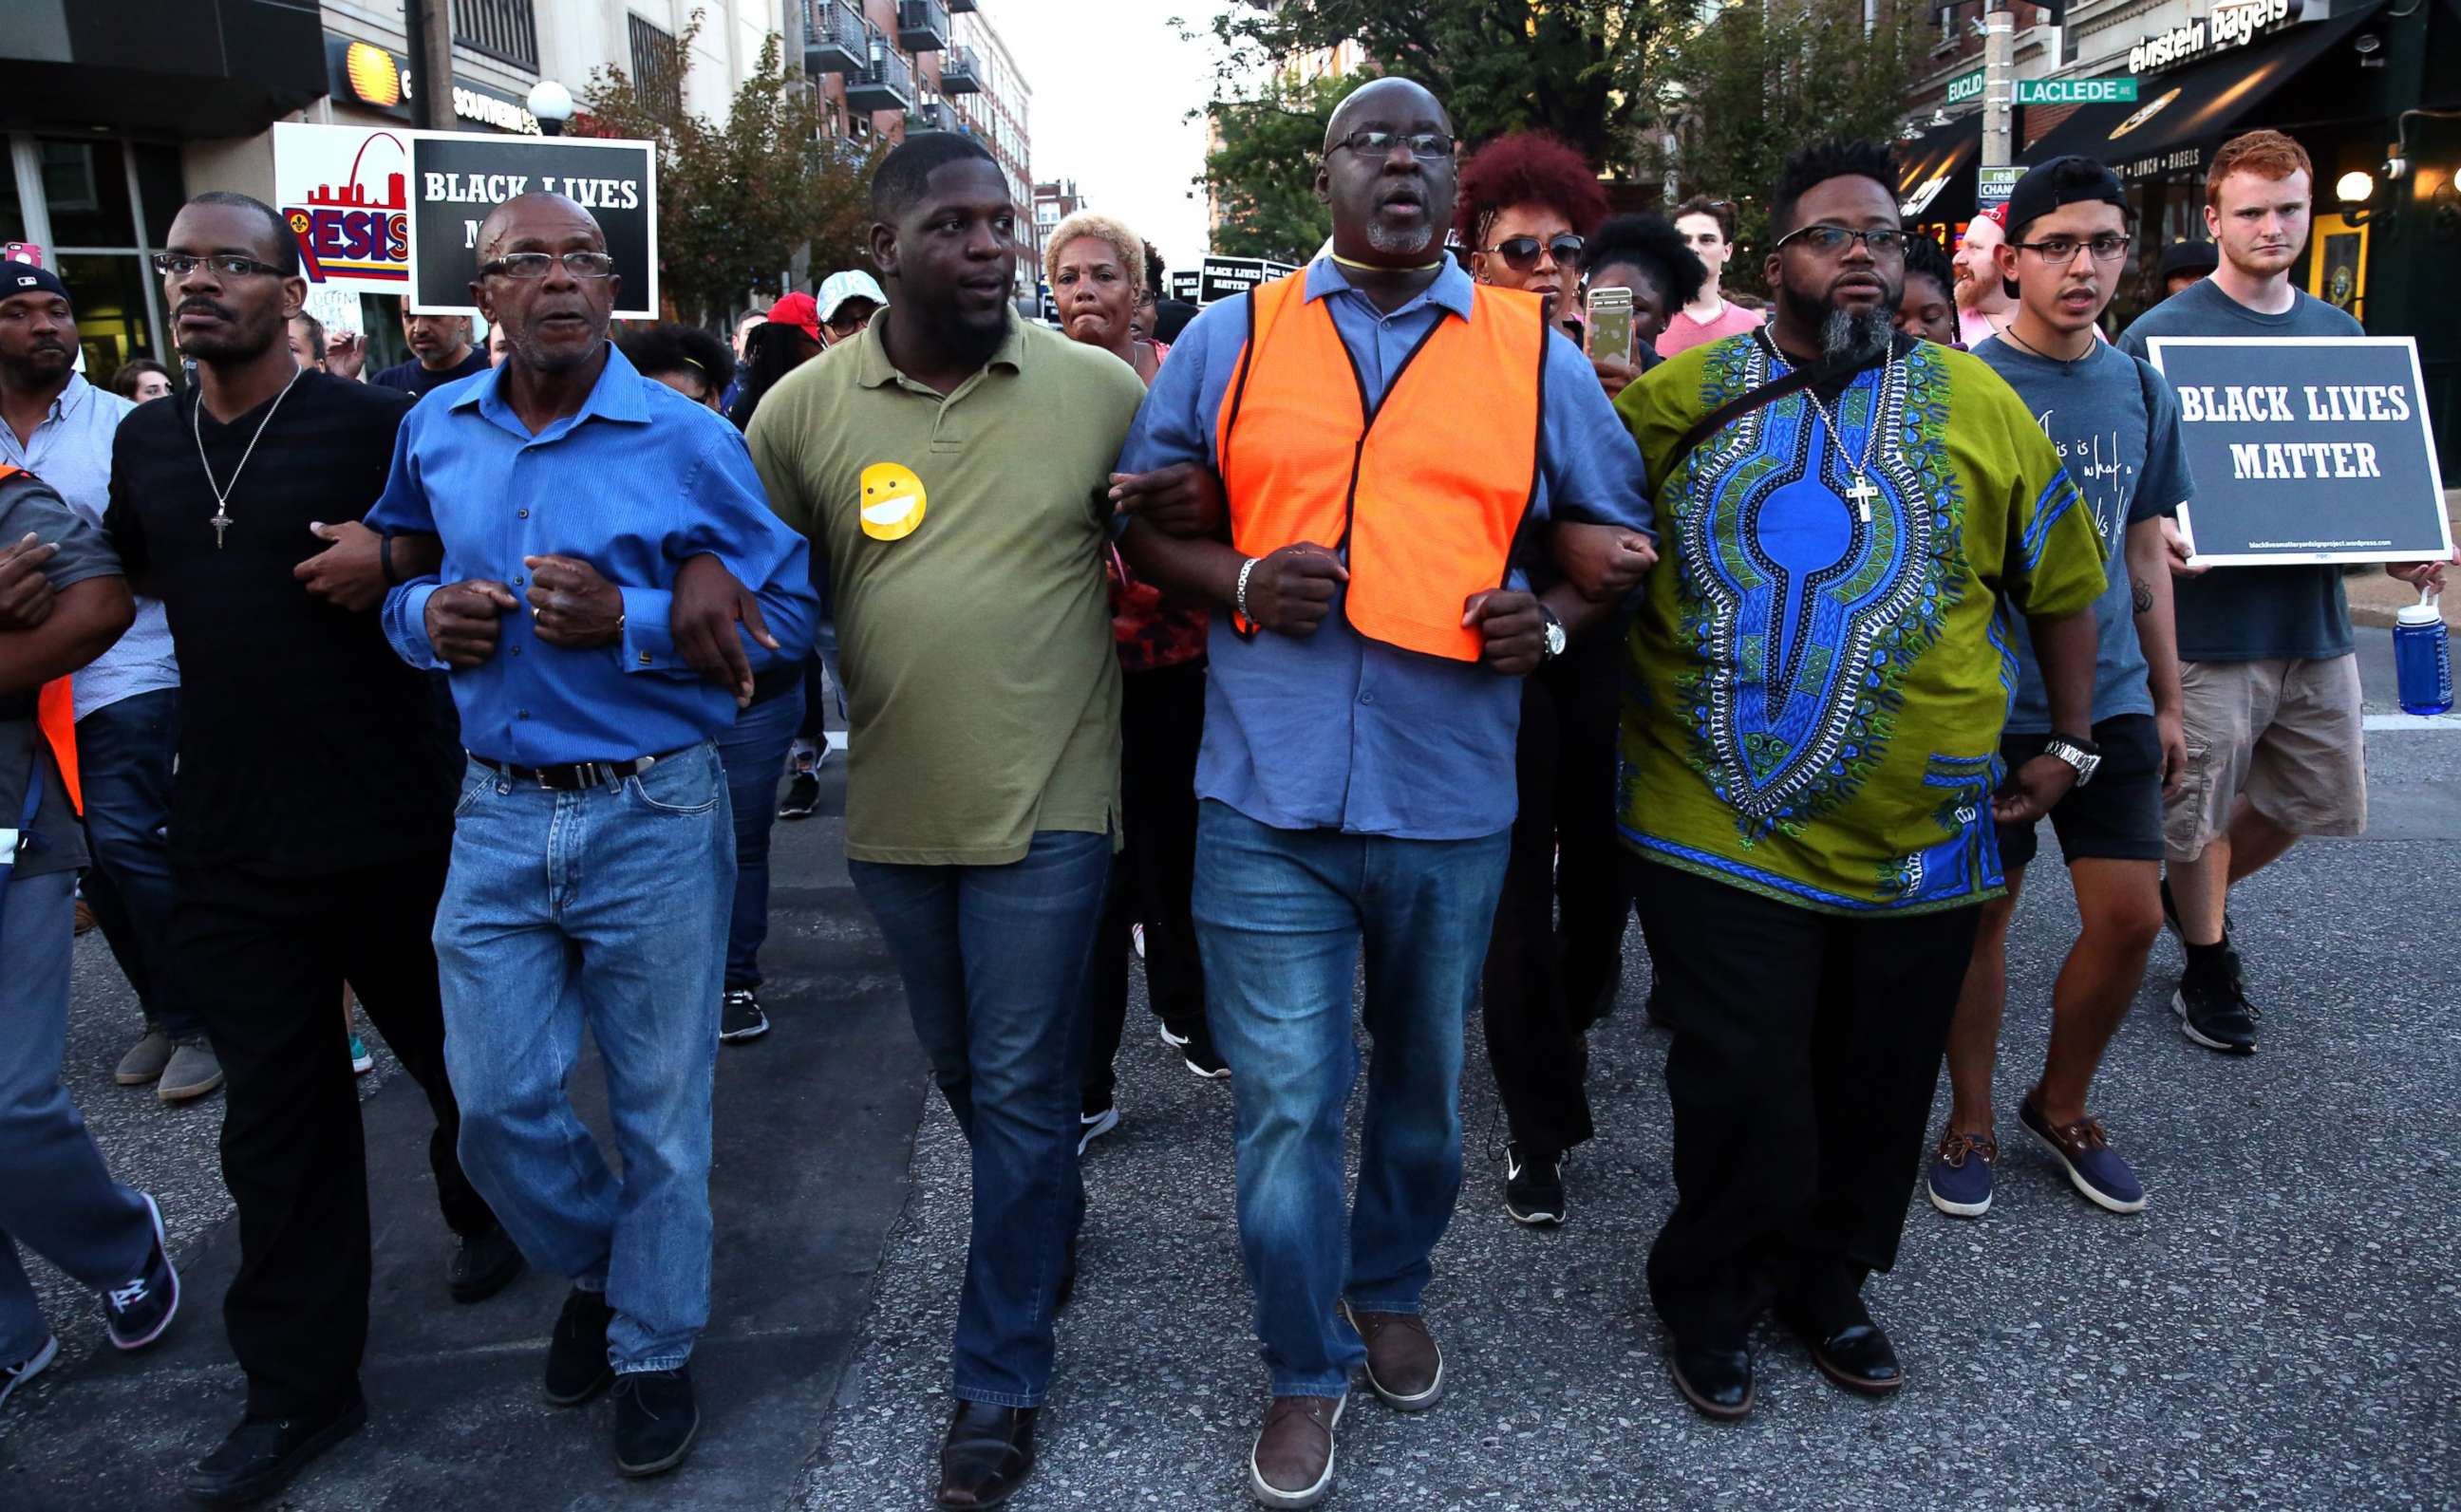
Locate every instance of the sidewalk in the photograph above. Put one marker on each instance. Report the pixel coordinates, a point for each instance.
(814, 1125)
(2278, 1331)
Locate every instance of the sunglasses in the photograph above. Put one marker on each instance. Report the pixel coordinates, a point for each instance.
(1520, 253)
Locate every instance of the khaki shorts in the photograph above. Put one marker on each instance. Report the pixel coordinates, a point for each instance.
(2285, 735)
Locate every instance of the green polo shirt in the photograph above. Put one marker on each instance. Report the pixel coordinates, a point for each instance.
(974, 631)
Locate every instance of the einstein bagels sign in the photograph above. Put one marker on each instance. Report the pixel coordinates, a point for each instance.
(2230, 26)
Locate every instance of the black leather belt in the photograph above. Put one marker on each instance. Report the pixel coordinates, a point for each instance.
(575, 776)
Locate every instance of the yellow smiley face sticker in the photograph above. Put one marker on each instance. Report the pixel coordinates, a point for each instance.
(892, 501)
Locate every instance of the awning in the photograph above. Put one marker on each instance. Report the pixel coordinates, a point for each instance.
(2177, 117)
(1929, 168)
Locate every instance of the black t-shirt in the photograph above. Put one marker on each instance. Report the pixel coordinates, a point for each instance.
(415, 380)
(306, 745)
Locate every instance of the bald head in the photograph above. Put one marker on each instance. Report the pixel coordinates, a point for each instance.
(1384, 97)
(551, 215)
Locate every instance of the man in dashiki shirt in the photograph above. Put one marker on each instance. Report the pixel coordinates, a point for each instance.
(1810, 765)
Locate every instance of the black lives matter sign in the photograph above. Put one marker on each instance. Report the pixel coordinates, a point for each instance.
(456, 180)
(2305, 449)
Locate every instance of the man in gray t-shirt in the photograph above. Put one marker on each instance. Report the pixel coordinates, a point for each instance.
(2116, 425)
(2269, 683)
(62, 603)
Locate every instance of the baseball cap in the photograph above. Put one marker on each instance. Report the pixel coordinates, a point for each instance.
(26, 278)
(852, 283)
(2063, 180)
(2196, 255)
(796, 309)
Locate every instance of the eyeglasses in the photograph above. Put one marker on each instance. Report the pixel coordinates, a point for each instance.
(2059, 250)
(1885, 241)
(1380, 144)
(174, 265)
(535, 264)
(1520, 253)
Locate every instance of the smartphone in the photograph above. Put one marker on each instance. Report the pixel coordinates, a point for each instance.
(1610, 322)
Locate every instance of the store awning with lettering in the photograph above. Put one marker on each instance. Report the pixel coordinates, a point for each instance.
(1936, 171)
(2178, 117)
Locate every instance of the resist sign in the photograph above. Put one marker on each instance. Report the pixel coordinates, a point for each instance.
(2305, 449)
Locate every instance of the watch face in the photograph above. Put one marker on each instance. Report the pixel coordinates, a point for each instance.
(1554, 639)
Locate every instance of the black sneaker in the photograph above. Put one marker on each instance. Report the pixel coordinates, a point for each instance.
(2213, 1010)
(655, 1419)
(1194, 1043)
(741, 1019)
(576, 1352)
(802, 795)
(135, 1314)
(263, 1454)
(14, 1374)
(482, 1265)
(1095, 1123)
(1534, 1186)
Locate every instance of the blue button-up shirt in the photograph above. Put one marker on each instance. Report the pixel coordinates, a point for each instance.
(637, 481)
(1336, 731)
(70, 450)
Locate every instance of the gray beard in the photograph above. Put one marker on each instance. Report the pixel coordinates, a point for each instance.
(1852, 336)
(1392, 243)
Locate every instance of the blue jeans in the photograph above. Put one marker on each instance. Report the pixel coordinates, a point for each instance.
(56, 1197)
(125, 752)
(754, 753)
(604, 907)
(1280, 916)
(995, 961)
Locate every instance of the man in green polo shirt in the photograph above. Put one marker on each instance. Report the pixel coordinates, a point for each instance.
(950, 465)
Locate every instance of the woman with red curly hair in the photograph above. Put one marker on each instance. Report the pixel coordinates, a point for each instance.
(1527, 203)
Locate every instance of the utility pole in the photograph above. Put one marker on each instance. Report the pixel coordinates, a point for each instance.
(1999, 88)
(427, 26)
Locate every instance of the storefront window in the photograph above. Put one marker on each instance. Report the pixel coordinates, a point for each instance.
(108, 291)
(85, 184)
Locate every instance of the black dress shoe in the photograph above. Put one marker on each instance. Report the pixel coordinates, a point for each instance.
(482, 1265)
(655, 1419)
(1858, 1358)
(576, 1352)
(1715, 1380)
(261, 1455)
(986, 1454)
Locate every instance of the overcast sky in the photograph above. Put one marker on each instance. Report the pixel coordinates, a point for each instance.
(1111, 84)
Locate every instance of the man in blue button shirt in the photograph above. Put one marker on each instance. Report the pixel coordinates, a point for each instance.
(593, 855)
(1352, 789)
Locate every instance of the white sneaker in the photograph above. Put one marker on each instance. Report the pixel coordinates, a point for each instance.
(1096, 1125)
(13, 1376)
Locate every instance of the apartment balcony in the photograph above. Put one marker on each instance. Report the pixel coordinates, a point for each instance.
(930, 116)
(957, 75)
(834, 36)
(962, 7)
(886, 81)
(923, 24)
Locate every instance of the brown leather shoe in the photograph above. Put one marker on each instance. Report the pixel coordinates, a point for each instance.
(1403, 1364)
(1292, 1466)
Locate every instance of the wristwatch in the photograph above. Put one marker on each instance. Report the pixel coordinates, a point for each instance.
(2077, 751)
(1556, 639)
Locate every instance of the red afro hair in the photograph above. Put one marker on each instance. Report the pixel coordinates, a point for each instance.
(1528, 167)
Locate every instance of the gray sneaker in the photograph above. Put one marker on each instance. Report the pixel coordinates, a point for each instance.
(146, 1059)
(193, 1072)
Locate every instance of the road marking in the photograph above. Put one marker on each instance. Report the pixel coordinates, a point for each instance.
(2445, 722)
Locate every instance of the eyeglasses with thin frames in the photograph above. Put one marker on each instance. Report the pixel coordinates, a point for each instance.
(179, 265)
(1884, 241)
(2060, 250)
(535, 264)
(1429, 144)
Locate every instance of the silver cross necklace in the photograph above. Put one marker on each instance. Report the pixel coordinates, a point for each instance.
(1863, 492)
(221, 519)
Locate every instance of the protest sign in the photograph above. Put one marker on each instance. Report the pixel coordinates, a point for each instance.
(2305, 449)
(1229, 277)
(455, 179)
(345, 190)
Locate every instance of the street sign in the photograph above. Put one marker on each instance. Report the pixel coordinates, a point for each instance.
(1992, 186)
(1965, 87)
(2305, 449)
(2118, 90)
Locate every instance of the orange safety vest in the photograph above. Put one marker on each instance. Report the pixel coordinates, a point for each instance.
(55, 709)
(1426, 493)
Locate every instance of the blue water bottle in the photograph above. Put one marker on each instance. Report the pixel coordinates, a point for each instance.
(2422, 658)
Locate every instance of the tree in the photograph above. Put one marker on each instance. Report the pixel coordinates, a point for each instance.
(736, 201)
(1563, 66)
(1262, 173)
(1761, 79)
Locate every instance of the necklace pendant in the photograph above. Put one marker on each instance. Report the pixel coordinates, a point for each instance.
(221, 523)
(1863, 493)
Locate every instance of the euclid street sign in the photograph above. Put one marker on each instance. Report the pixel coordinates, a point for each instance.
(2076, 91)
(1964, 87)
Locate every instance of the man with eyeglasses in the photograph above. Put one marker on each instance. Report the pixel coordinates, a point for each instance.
(1811, 764)
(1356, 783)
(2116, 424)
(582, 508)
(309, 823)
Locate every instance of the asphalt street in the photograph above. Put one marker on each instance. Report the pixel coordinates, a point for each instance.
(2281, 1328)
